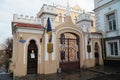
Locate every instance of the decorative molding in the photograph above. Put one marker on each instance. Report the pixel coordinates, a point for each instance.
(29, 30)
(25, 48)
(98, 8)
(26, 19)
(108, 49)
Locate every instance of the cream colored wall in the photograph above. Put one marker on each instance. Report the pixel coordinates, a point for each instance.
(44, 67)
(49, 66)
(20, 55)
(98, 40)
(62, 11)
(93, 18)
(90, 62)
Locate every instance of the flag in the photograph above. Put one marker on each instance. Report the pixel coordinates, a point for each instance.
(49, 30)
(48, 25)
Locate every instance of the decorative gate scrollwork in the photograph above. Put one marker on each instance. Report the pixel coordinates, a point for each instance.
(69, 49)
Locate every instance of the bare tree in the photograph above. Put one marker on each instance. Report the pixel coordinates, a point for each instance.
(7, 46)
(6, 52)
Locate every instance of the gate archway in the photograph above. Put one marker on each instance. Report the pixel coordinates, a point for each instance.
(69, 51)
(32, 58)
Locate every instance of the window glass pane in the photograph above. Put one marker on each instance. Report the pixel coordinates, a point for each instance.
(115, 48)
(110, 25)
(92, 23)
(114, 25)
(111, 48)
(111, 21)
(62, 39)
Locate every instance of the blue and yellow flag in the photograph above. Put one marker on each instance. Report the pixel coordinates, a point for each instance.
(49, 30)
(48, 27)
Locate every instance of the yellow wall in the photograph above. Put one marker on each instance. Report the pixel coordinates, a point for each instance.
(63, 12)
(18, 52)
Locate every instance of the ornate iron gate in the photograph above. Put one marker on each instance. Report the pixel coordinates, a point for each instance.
(69, 53)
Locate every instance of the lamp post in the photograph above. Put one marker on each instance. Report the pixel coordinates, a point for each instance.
(21, 40)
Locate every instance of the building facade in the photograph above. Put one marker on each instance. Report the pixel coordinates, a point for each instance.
(74, 43)
(107, 21)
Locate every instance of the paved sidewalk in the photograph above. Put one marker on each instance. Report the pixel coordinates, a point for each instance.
(106, 69)
(107, 77)
(69, 75)
(96, 73)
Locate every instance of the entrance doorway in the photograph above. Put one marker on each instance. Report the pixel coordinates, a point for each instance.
(69, 51)
(32, 58)
(96, 54)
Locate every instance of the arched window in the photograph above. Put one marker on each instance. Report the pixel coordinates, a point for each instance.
(75, 18)
(62, 39)
(60, 17)
(96, 47)
(64, 16)
(92, 23)
(96, 50)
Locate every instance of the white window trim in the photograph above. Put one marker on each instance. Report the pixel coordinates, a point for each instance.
(111, 24)
(106, 20)
(108, 54)
(111, 20)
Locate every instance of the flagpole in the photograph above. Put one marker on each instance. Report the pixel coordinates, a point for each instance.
(46, 28)
(42, 34)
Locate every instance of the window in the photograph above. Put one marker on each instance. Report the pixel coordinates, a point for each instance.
(62, 38)
(92, 23)
(75, 18)
(111, 21)
(113, 49)
(64, 16)
(60, 17)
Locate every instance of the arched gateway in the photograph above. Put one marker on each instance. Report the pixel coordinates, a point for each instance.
(69, 51)
(69, 46)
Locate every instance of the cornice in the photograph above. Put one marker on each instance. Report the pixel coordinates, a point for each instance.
(106, 5)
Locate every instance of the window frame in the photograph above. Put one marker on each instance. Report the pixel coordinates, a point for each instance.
(108, 50)
(112, 46)
(111, 20)
(106, 20)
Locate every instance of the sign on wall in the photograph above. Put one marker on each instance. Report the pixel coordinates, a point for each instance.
(50, 47)
(88, 48)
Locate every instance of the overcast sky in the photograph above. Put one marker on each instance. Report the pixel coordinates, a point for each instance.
(30, 8)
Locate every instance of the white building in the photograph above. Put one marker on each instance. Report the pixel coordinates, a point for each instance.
(107, 14)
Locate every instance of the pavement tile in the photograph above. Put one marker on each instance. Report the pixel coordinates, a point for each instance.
(96, 73)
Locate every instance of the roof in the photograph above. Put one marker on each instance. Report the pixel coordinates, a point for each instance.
(38, 26)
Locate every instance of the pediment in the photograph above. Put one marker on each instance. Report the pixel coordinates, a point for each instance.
(68, 23)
